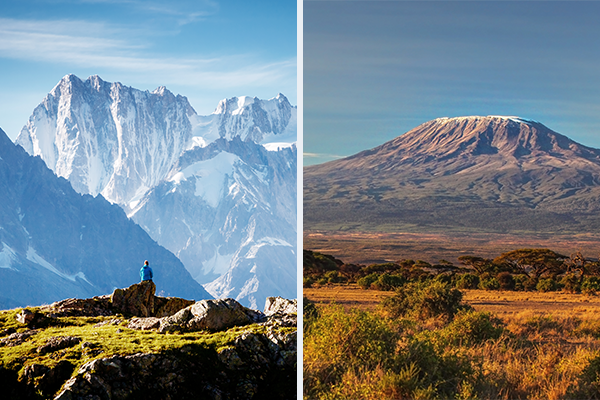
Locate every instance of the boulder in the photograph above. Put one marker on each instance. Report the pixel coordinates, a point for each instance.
(17, 338)
(212, 315)
(279, 305)
(137, 299)
(25, 317)
(165, 306)
(94, 307)
(144, 324)
(58, 343)
(48, 380)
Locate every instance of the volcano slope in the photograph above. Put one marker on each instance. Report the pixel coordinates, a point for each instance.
(466, 174)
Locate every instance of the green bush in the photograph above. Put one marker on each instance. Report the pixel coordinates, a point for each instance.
(523, 282)
(546, 285)
(489, 284)
(590, 285)
(334, 277)
(471, 327)
(506, 280)
(366, 281)
(388, 282)
(467, 281)
(424, 300)
(570, 283)
(338, 342)
(310, 312)
(307, 281)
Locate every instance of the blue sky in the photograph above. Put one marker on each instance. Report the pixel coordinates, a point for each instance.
(203, 49)
(376, 69)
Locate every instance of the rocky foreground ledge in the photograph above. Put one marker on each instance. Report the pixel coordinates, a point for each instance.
(133, 344)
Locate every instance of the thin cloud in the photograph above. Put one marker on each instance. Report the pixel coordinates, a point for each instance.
(322, 155)
(185, 12)
(97, 45)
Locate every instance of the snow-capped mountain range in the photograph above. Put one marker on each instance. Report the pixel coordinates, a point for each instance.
(56, 243)
(219, 190)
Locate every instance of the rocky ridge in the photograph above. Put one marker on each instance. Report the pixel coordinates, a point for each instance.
(225, 350)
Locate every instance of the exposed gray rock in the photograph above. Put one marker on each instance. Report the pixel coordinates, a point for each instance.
(93, 307)
(137, 299)
(25, 316)
(48, 380)
(250, 367)
(144, 324)
(212, 315)
(114, 321)
(217, 315)
(58, 343)
(279, 305)
(165, 306)
(17, 338)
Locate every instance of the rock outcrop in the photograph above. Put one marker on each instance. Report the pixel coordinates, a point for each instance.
(253, 365)
(257, 359)
(137, 300)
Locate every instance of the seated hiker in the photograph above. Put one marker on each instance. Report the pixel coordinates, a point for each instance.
(146, 272)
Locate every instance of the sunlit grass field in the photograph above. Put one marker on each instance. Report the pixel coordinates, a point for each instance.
(512, 345)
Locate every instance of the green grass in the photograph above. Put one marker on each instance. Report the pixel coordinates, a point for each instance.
(105, 341)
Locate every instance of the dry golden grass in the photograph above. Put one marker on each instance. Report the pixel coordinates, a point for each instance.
(548, 343)
(501, 303)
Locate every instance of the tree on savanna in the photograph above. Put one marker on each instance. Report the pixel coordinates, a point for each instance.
(479, 264)
(577, 263)
(533, 262)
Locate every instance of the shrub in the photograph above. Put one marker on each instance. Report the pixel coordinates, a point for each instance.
(472, 327)
(366, 281)
(388, 282)
(445, 278)
(506, 280)
(424, 300)
(338, 342)
(307, 282)
(334, 277)
(570, 283)
(310, 312)
(520, 281)
(467, 281)
(546, 285)
(489, 284)
(590, 285)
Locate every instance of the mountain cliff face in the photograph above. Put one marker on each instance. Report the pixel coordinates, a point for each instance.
(108, 138)
(228, 211)
(217, 190)
(252, 119)
(56, 243)
(491, 173)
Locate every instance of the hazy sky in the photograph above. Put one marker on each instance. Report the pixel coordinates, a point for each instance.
(203, 49)
(376, 69)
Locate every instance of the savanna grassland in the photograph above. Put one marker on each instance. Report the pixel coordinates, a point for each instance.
(412, 330)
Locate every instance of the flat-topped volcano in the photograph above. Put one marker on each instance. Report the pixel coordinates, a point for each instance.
(492, 173)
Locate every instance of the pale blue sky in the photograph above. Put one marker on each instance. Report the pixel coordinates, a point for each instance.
(205, 50)
(376, 69)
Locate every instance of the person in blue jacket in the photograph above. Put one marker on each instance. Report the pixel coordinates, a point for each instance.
(146, 272)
